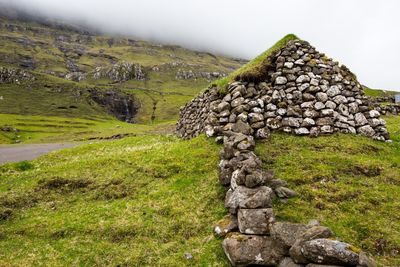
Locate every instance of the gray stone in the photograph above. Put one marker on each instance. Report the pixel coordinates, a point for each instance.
(248, 198)
(302, 79)
(301, 131)
(308, 122)
(330, 104)
(286, 233)
(360, 119)
(319, 105)
(245, 250)
(292, 122)
(255, 117)
(237, 102)
(326, 129)
(288, 65)
(304, 86)
(333, 91)
(241, 127)
(310, 234)
(323, 97)
(366, 130)
(223, 106)
(280, 80)
(339, 99)
(263, 133)
(374, 113)
(327, 251)
(255, 221)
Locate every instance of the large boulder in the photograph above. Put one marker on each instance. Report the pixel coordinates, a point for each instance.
(312, 233)
(245, 250)
(328, 251)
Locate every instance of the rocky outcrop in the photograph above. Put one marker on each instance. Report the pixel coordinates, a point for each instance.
(123, 107)
(12, 75)
(120, 72)
(189, 74)
(75, 76)
(300, 92)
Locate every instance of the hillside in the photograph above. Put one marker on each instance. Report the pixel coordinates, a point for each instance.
(148, 200)
(67, 64)
(151, 198)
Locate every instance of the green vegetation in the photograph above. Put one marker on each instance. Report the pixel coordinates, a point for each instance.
(254, 68)
(51, 48)
(348, 183)
(378, 92)
(146, 200)
(140, 201)
(45, 129)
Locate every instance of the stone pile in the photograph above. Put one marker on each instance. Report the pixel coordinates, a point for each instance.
(300, 92)
(303, 92)
(386, 105)
(252, 235)
(12, 75)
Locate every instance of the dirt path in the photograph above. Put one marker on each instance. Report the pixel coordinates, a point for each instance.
(15, 153)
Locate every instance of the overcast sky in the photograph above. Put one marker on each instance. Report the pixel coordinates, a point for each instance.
(362, 34)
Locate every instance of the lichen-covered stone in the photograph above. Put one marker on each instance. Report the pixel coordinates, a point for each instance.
(245, 250)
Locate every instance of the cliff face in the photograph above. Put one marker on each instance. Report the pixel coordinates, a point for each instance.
(121, 106)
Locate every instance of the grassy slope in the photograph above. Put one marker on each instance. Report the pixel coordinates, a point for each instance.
(162, 86)
(379, 92)
(141, 201)
(45, 129)
(148, 200)
(349, 183)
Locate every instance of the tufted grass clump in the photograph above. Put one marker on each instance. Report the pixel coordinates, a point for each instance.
(23, 165)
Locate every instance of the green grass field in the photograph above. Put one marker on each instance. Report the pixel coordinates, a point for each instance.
(49, 129)
(147, 200)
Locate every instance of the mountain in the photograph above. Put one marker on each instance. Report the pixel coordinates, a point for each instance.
(50, 71)
(65, 61)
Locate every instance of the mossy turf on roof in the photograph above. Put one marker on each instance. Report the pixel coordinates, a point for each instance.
(253, 70)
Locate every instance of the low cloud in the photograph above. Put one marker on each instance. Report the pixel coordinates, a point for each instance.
(362, 34)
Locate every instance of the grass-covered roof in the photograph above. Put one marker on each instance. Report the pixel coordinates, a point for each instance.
(254, 69)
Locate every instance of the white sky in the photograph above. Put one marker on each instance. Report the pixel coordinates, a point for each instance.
(362, 34)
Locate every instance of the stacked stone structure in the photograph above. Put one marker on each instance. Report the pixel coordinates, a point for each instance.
(300, 91)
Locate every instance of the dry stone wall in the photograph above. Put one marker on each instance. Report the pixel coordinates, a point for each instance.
(301, 92)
